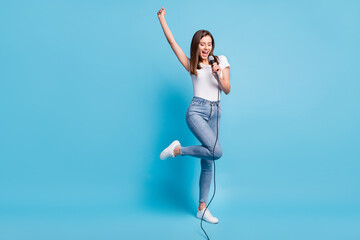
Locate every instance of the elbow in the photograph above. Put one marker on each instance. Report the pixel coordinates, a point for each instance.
(227, 91)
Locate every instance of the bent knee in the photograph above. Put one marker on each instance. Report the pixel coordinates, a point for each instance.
(215, 153)
(218, 153)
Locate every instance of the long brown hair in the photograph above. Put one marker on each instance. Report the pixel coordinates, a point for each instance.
(194, 50)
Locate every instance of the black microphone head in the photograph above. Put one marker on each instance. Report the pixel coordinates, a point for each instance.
(211, 59)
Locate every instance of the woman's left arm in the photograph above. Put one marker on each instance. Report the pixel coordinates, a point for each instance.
(224, 81)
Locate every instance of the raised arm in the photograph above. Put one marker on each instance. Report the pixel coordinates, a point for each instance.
(175, 47)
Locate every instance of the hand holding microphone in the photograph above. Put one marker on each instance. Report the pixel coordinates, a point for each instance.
(215, 68)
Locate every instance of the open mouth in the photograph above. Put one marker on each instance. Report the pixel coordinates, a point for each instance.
(204, 53)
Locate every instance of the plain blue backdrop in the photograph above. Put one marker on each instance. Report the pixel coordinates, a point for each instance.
(91, 93)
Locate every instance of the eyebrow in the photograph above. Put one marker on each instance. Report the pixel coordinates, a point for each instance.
(205, 42)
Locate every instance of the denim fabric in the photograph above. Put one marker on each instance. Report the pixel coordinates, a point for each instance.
(201, 119)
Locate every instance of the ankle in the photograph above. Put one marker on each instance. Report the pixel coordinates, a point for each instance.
(202, 206)
(177, 151)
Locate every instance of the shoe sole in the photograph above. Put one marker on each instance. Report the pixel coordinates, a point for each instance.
(208, 221)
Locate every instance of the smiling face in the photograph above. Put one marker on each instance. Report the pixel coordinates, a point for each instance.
(202, 45)
(205, 47)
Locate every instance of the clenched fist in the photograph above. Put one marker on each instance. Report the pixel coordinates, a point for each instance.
(216, 69)
(161, 13)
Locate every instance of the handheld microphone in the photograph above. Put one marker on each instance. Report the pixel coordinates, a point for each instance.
(211, 61)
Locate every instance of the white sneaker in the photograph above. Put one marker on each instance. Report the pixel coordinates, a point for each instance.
(207, 216)
(169, 151)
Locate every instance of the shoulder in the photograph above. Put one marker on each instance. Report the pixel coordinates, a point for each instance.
(222, 58)
(223, 61)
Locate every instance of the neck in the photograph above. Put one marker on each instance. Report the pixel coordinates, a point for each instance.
(205, 61)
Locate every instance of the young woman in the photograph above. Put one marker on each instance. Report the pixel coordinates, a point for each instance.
(201, 116)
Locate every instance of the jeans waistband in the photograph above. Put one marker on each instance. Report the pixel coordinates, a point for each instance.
(202, 100)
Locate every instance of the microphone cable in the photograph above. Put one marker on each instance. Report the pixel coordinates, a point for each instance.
(217, 135)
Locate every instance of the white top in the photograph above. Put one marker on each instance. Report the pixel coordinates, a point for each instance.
(205, 84)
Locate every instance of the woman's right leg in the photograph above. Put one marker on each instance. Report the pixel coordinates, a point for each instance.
(207, 165)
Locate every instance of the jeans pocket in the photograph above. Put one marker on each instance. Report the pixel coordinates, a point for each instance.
(196, 107)
(196, 103)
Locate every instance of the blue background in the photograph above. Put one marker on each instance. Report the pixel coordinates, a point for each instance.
(91, 93)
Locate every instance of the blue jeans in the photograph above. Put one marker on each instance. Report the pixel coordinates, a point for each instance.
(201, 119)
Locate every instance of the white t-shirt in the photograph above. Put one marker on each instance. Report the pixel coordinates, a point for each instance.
(205, 84)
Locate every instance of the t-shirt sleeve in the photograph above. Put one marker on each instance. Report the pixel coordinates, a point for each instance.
(223, 62)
